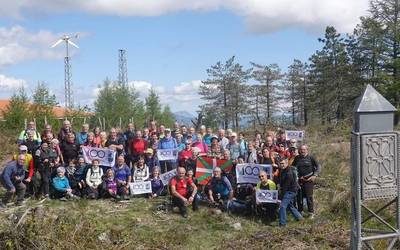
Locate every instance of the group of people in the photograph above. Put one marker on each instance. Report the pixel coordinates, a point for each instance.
(51, 165)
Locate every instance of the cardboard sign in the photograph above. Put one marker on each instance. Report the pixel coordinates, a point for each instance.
(104, 155)
(248, 172)
(143, 187)
(167, 154)
(166, 177)
(266, 196)
(293, 134)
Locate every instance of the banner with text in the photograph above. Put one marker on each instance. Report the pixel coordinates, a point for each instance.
(293, 134)
(248, 172)
(266, 196)
(167, 154)
(143, 187)
(166, 177)
(104, 155)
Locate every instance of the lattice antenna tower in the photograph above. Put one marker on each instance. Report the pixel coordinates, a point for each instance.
(69, 103)
(122, 67)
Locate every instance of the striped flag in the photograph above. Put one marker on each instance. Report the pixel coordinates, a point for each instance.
(205, 166)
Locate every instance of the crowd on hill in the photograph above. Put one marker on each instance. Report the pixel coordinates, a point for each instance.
(52, 165)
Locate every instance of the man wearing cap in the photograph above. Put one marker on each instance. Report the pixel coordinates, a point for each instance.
(24, 133)
(12, 180)
(28, 163)
(150, 160)
(168, 142)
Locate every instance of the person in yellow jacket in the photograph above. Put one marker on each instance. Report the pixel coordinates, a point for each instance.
(28, 164)
(266, 210)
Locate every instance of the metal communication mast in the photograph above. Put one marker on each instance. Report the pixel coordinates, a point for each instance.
(69, 103)
(123, 70)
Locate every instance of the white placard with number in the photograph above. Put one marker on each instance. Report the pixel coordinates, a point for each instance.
(105, 156)
(266, 196)
(167, 154)
(293, 134)
(248, 172)
(143, 187)
(166, 177)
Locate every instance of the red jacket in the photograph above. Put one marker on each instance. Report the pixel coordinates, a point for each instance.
(138, 146)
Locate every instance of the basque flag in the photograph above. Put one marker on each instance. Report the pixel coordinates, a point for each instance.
(205, 166)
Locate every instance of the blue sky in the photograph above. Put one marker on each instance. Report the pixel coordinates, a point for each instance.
(169, 43)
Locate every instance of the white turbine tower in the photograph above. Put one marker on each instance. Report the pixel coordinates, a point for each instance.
(67, 69)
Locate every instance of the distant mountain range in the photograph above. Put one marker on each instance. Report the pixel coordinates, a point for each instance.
(184, 117)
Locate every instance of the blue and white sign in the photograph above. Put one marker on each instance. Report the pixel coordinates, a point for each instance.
(248, 172)
(167, 154)
(143, 187)
(266, 196)
(104, 155)
(166, 177)
(293, 134)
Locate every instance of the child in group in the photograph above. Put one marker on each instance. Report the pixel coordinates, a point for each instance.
(110, 185)
(157, 187)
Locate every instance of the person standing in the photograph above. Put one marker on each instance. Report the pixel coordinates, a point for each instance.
(288, 191)
(308, 170)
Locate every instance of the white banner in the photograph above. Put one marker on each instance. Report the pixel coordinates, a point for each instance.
(104, 155)
(292, 134)
(266, 196)
(167, 154)
(166, 177)
(248, 172)
(143, 187)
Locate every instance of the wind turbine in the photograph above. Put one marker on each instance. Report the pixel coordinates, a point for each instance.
(67, 68)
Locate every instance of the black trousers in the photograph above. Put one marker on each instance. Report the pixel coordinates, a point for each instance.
(182, 208)
(306, 191)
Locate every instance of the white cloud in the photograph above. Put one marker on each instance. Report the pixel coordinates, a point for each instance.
(10, 84)
(18, 45)
(259, 15)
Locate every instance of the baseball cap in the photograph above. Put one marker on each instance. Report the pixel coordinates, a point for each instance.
(148, 151)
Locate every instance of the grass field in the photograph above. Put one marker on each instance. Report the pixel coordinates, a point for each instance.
(137, 224)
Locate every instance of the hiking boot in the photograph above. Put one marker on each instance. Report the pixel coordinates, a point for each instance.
(63, 199)
(125, 197)
(19, 203)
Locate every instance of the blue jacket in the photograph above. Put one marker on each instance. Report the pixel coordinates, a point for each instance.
(9, 173)
(61, 183)
(169, 143)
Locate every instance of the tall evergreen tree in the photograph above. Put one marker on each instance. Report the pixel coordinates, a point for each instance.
(43, 104)
(17, 110)
(153, 106)
(265, 96)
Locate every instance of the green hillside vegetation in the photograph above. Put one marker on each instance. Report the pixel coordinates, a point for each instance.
(138, 224)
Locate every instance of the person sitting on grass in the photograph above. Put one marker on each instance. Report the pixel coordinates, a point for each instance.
(109, 185)
(268, 210)
(157, 186)
(62, 189)
(220, 189)
(140, 171)
(93, 180)
(11, 178)
(122, 177)
(79, 176)
(181, 195)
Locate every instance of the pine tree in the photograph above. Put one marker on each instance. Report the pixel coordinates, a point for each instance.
(153, 106)
(43, 104)
(17, 110)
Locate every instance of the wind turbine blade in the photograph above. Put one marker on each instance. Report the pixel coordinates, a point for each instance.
(73, 44)
(57, 43)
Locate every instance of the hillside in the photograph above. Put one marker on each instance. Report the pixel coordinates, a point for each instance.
(138, 224)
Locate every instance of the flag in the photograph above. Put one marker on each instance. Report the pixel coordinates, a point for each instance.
(205, 166)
